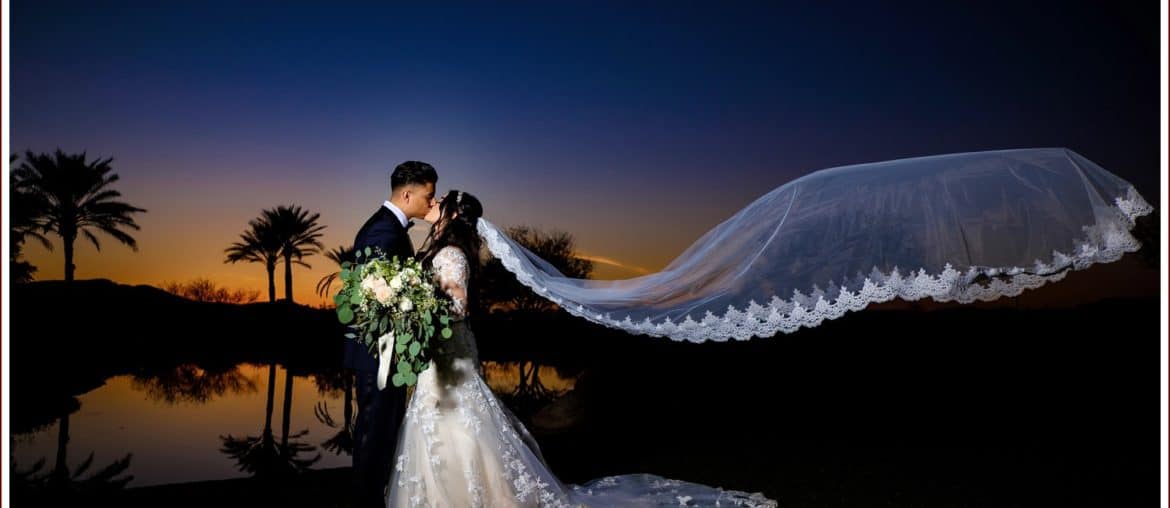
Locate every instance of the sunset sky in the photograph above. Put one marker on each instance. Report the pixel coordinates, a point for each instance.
(635, 128)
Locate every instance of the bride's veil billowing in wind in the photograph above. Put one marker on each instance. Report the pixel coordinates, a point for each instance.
(957, 227)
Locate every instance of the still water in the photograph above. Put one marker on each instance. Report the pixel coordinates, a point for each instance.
(184, 424)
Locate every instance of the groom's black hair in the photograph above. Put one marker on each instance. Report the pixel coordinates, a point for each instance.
(413, 172)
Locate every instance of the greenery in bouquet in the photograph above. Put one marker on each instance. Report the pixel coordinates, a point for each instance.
(392, 307)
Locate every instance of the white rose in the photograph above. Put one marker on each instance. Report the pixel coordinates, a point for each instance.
(406, 305)
(368, 283)
(396, 282)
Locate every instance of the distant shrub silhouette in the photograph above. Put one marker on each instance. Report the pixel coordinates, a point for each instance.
(204, 290)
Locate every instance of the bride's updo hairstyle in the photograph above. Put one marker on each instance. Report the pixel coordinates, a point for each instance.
(459, 213)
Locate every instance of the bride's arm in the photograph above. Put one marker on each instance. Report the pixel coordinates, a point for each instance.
(451, 267)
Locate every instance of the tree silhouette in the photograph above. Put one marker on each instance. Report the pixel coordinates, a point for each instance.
(27, 221)
(258, 244)
(78, 200)
(498, 288)
(338, 255)
(299, 236)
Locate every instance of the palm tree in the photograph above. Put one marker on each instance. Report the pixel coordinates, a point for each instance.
(77, 199)
(338, 255)
(27, 220)
(299, 236)
(258, 244)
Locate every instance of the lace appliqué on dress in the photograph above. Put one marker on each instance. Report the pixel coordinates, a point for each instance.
(450, 266)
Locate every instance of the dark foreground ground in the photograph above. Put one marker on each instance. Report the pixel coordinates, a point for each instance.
(955, 407)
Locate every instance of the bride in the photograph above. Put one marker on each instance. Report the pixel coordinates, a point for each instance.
(459, 446)
(955, 227)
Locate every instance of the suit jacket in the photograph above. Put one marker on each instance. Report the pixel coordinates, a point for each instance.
(381, 230)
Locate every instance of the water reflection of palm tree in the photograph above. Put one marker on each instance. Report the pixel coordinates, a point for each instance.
(35, 482)
(261, 456)
(60, 479)
(339, 255)
(299, 235)
(256, 455)
(77, 197)
(342, 442)
(190, 383)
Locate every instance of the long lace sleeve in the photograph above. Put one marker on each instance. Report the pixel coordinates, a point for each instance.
(450, 265)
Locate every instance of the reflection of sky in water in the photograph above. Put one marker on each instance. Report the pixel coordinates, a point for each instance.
(179, 441)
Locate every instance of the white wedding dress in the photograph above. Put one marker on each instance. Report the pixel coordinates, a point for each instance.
(460, 447)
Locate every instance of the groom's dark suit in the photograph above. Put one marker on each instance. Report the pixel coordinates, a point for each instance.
(379, 411)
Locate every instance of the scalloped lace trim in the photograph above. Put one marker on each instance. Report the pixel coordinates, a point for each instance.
(1103, 243)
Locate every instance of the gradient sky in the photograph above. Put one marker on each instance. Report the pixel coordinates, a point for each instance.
(634, 127)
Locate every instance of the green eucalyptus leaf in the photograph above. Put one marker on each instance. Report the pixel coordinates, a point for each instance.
(399, 348)
(355, 298)
(344, 314)
(404, 338)
(415, 348)
(398, 379)
(403, 366)
(410, 378)
(446, 333)
(368, 252)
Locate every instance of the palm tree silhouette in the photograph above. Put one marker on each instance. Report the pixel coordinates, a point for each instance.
(299, 236)
(258, 244)
(27, 221)
(338, 255)
(78, 199)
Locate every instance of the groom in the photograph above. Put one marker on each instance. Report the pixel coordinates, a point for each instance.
(412, 194)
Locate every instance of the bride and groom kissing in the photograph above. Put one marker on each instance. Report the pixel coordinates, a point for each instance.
(454, 444)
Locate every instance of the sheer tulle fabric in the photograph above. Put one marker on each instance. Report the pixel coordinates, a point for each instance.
(956, 227)
(460, 447)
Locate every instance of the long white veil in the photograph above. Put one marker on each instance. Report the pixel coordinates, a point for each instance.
(956, 227)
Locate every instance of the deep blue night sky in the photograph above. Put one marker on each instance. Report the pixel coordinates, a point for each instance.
(605, 121)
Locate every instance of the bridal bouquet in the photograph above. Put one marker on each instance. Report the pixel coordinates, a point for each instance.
(394, 310)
